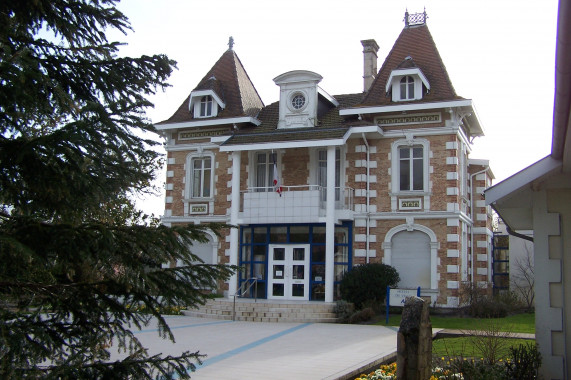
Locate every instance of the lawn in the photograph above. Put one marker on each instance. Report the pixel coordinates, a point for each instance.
(517, 323)
(465, 347)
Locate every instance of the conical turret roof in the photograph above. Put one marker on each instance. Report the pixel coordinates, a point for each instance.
(230, 82)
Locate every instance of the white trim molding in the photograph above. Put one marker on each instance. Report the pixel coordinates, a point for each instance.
(208, 122)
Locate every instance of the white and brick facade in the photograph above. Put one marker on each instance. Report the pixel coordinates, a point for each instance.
(364, 177)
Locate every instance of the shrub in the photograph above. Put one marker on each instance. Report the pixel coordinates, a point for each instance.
(512, 301)
(524, 362)
(480, 303)
(368, 283)
(490, 342)
(362, 315)
(343, 310)
(488, 308)
(472, 369)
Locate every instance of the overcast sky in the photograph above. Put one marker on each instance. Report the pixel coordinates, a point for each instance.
(498, 53)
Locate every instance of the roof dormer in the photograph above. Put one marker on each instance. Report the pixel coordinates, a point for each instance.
(205, 103)
(298, 98)
(407, 82)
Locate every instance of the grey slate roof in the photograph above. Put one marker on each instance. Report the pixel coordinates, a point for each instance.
(330, 126)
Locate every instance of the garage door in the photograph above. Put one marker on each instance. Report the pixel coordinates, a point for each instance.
(411, 257)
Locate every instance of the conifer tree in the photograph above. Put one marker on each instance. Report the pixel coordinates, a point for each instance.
(75, 255)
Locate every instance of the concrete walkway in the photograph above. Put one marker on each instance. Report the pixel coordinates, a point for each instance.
(451, 333)
(258, 350)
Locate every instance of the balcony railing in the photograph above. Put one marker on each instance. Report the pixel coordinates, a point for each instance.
(302, 203)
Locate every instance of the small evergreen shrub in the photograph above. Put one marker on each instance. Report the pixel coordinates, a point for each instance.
(343, 310)
(362, 315)
(366, 284)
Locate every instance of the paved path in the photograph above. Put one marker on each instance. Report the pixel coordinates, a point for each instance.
(453, 333)
(257, 350)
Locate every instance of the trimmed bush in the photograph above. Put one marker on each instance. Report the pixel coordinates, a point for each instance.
(362, 315)
(488, 308)
(367, 284)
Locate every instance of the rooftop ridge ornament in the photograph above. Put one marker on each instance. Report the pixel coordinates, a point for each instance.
(230, 43)
(414, 18)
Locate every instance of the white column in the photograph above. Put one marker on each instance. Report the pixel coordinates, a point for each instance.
(330, 225)
(548, 296)
(234, 210)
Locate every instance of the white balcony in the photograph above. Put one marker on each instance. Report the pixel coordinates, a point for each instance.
(297, 204)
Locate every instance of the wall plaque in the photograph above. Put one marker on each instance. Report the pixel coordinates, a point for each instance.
(198, 209)
(410, 204)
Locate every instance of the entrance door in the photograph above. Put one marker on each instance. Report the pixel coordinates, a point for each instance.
(288, 272)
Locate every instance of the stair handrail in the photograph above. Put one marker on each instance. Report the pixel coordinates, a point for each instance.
(250, 282)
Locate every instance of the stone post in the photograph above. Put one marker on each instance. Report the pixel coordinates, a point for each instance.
(414, 341)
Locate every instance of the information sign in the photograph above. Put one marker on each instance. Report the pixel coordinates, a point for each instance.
(397, 297)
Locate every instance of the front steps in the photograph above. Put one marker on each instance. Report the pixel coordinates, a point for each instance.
(266, 311)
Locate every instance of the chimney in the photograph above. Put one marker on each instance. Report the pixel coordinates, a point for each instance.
(370, 49)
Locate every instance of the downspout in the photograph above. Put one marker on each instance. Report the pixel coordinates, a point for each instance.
(517, 234)
(368, 201)
(473, 259)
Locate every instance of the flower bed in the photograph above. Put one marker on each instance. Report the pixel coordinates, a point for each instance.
(389, 372)
(385, 372)
(523, 363)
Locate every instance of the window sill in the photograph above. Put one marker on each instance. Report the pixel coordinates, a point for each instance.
(410, 193)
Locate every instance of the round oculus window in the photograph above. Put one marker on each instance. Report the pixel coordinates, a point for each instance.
(298, 101)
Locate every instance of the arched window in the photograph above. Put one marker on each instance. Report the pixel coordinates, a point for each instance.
(206, 106)
(407, 87)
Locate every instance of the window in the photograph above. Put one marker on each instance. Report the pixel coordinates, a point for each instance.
(322, 173)
(264, 180)
(201, 177)
(411, 168)
(407, 84)
(298, 101)
(206, 106)
(407, 88)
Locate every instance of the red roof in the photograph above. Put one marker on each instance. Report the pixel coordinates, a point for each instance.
(229, 80)
(415, 42)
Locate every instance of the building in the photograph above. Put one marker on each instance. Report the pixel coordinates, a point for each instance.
(512, 263)
(538, 198)
(319, 183)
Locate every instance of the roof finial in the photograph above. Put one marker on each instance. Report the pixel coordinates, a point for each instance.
(230, 43)
(415, 18)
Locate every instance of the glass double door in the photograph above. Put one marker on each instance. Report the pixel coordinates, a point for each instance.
(288, 272)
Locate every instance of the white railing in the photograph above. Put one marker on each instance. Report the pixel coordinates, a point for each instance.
(344, 196)
(240, 293)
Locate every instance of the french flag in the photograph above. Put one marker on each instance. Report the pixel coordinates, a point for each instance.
(277, 184)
